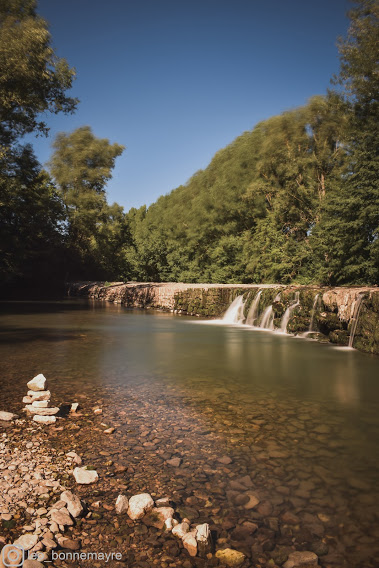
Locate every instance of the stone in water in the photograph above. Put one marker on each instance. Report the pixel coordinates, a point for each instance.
(85, 476)
(139, 505)
(122, 504)
(74, 505)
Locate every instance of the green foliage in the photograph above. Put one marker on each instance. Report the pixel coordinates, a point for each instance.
(81, 165)
(33, 80)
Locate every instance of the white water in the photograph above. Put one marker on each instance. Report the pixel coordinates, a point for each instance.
(253, 314)
(313, 313)
(288, 312)
(357, 309)
(234, 314)
(268, 319)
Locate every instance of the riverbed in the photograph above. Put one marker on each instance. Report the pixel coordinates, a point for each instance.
(291, 421)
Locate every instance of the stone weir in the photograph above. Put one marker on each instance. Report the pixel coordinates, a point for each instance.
(344, 316)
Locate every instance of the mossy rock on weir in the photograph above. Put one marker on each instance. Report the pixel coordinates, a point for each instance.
(339, 336)
(367, 332)
(327, 322)
(298, 324)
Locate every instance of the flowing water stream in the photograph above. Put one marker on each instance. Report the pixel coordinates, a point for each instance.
(295, 423)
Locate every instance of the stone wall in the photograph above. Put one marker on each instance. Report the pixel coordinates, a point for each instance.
(334, 315)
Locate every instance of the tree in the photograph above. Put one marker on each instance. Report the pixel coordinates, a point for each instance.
(31, 215)
(33, 80)
(81, 165)
(349, 232)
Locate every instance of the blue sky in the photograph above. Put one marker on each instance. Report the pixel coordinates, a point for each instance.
(176, 80)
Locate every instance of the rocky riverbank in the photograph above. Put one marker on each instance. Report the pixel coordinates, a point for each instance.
(261, 496)
(344, 316)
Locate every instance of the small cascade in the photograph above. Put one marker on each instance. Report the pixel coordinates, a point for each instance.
(253, 314)
(310, 329)
(268, 319)
(234, 314)
(357, 309)
(288, 312)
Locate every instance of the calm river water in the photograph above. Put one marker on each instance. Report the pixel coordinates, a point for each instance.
(292, 422)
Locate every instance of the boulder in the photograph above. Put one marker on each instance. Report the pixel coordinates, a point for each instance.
(7, 416)
(139, 505)
(122, 504)
(73, 503)
(44, 419)
(38, 383)
(42, 411)
(231, 558)
(85, 476)
(305, 558)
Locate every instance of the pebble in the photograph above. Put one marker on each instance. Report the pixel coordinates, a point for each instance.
(122, 504)
(306, 559)
(231, 558)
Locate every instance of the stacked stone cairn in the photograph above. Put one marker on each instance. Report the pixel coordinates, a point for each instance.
(37, 401)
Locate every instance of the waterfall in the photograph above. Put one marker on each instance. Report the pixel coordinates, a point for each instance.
(234, 314)
(354, 322)
(313, 313)
(288, 312)
(252, 316)
(268, 319)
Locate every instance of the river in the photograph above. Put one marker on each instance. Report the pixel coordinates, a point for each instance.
(292, 422)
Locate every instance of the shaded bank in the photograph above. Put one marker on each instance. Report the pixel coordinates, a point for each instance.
(344, 316)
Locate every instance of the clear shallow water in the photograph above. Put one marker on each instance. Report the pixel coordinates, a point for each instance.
(299, 418)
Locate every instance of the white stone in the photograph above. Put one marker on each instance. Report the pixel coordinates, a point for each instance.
(305, 558)
(41, 395)
(74, 407)
(38, 383)
(190, 542)
(44, 419)
(7, 416)
(139, 505)
(42, 411)
(180, 530)
(27, 400)
(40, 403)
(203, 533)
(170, 523)
(122, 504)
(74, 505)
(27, 541)
(85, 476)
